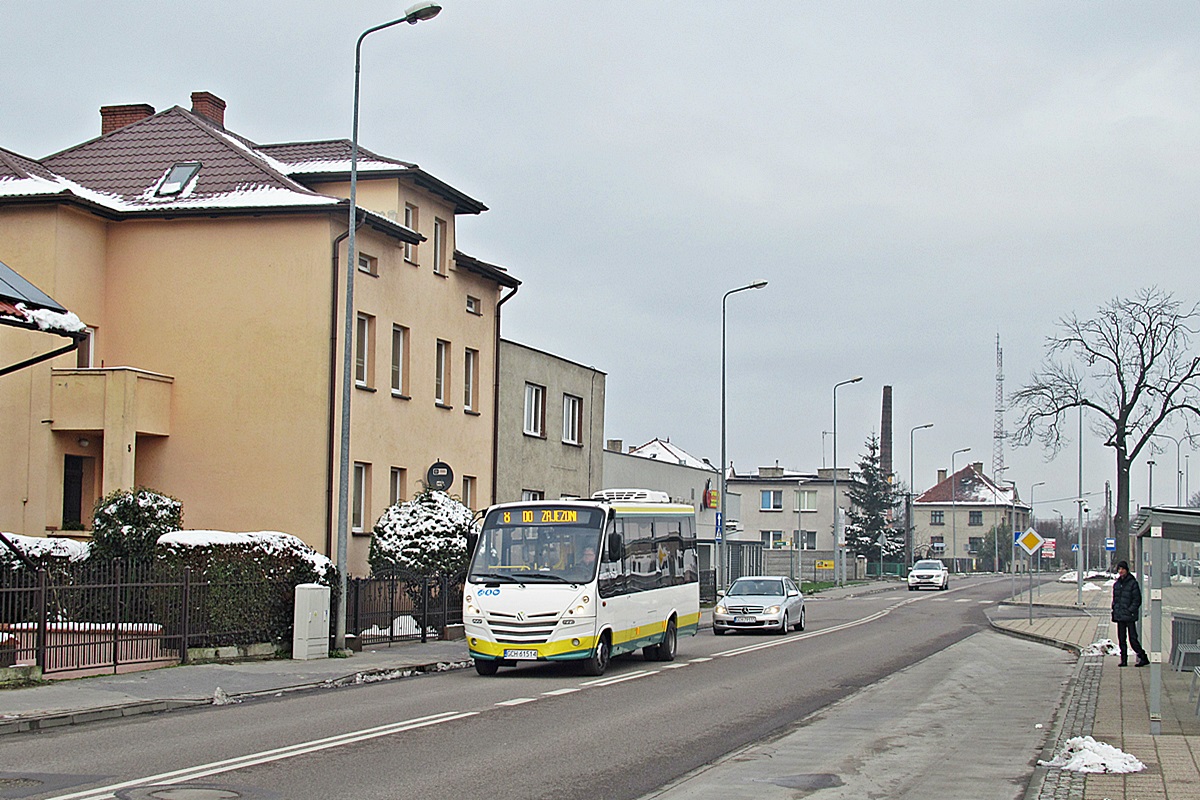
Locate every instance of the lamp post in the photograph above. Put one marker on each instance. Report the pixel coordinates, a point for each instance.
(953, 510)
(839, 553)
(415, 14)
(909, 525)
(1010, 513)
(724, 467)
(1150, 487)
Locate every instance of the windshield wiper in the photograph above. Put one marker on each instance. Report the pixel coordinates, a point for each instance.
(495, 576)
(545, 576)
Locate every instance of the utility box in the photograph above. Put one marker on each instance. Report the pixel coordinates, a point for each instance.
(310, 625)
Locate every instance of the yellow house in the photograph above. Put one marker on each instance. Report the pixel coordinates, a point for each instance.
(210, 272)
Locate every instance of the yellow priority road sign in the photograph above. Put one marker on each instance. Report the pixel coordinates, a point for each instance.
(1030, 541)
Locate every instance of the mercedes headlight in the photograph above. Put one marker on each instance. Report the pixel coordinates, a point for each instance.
(772, 610)
(720, 609)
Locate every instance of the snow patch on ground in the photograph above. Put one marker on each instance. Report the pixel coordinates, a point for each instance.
(1102, 647)
(1085, 754)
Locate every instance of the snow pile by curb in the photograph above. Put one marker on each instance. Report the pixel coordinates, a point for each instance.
(1085, 754)
(1101, 647)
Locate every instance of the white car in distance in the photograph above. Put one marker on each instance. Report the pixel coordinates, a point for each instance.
(928, 572)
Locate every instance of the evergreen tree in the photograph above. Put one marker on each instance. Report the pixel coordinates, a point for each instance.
(872, 506)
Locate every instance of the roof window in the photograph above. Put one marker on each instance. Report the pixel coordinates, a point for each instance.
(176, 178)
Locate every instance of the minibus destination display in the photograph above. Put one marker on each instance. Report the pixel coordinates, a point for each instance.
(544, 516)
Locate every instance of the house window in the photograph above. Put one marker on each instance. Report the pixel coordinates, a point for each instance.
(772, 540)
(975, 518)
(974, 544)
(177, 178)
(473, 306)
(470, 377)
(439, 246)
(771, 500)
(468, 491)
(442, 378)
(368, 264)
(398, 484)
(362, 490)
(532, 494)
(399, 361)
(410, 222)
(937, 517)
(937, 544)
(806, 540)
(572, 432)
(364, 352)
(806, 500)
(535, 410)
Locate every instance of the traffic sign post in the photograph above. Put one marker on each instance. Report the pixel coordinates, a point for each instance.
(1030, 541)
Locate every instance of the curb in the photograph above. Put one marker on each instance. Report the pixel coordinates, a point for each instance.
(41, 722)
(1031, 637)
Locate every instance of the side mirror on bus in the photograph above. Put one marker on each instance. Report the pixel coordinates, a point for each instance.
(616, 548)
(472, 543)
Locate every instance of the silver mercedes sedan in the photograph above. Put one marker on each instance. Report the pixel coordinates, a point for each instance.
(757, 603)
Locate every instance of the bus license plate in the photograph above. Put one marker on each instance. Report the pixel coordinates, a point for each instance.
(521, 655)
(744, 620)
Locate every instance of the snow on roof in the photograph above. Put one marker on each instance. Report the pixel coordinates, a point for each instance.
(970, 487)
(662, 450)
(52, 321)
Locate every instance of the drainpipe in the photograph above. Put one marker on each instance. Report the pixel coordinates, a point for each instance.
(496, 397)
(333, 373)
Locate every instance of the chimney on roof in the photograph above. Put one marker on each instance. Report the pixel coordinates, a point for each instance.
(615, 445)
(114, 117)
(978, 465)
(209, 106)
(941, 475)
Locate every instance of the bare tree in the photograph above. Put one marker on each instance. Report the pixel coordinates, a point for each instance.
(1132, 365)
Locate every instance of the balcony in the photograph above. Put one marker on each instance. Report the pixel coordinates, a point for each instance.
(118, 401)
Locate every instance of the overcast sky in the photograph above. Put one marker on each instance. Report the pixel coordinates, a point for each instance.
(911, 178)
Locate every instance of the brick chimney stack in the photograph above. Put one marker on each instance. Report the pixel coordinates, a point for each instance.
(209, 106)
(115, 117)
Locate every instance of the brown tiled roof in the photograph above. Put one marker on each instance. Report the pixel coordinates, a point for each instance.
(302, 157)
(971, 487)
(14, 165)
(130, 162)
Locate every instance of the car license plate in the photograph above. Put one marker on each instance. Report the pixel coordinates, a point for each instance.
(521, 655)
(744, 620)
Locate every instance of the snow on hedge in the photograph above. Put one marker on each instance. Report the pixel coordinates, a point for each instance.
(427, 535)
(270, 543)
(42, 547)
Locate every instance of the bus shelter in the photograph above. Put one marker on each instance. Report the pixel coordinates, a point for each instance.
(1166, 549)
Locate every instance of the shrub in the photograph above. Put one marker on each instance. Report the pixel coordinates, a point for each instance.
(243, 583)
(126, 524)
(426, 535)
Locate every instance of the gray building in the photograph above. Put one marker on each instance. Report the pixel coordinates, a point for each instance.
(791, 513)
(550, 426)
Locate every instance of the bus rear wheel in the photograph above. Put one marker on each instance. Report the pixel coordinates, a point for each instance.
(664, 650)
(597, 662)
(485, 667)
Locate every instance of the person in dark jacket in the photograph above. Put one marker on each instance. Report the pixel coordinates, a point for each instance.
(1126, 607)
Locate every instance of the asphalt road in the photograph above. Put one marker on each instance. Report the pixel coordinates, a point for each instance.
(530, 732)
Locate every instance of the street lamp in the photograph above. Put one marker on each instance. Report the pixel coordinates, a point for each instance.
(1150, 488)
(953, 510)
(839, 553)
(720, 530)
(909, 526)
(415, 14)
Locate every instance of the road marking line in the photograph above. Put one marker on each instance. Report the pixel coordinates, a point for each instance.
(963, 600)
(266, 756)
(517, 701)
(568, 690)
(700, 660)
(674, 666)
(845, 625)
(622, 678)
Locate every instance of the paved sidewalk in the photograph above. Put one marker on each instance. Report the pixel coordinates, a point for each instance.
(1111, 705)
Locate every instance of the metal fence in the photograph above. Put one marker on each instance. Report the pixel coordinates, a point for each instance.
(99, 616)
(402, 606)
